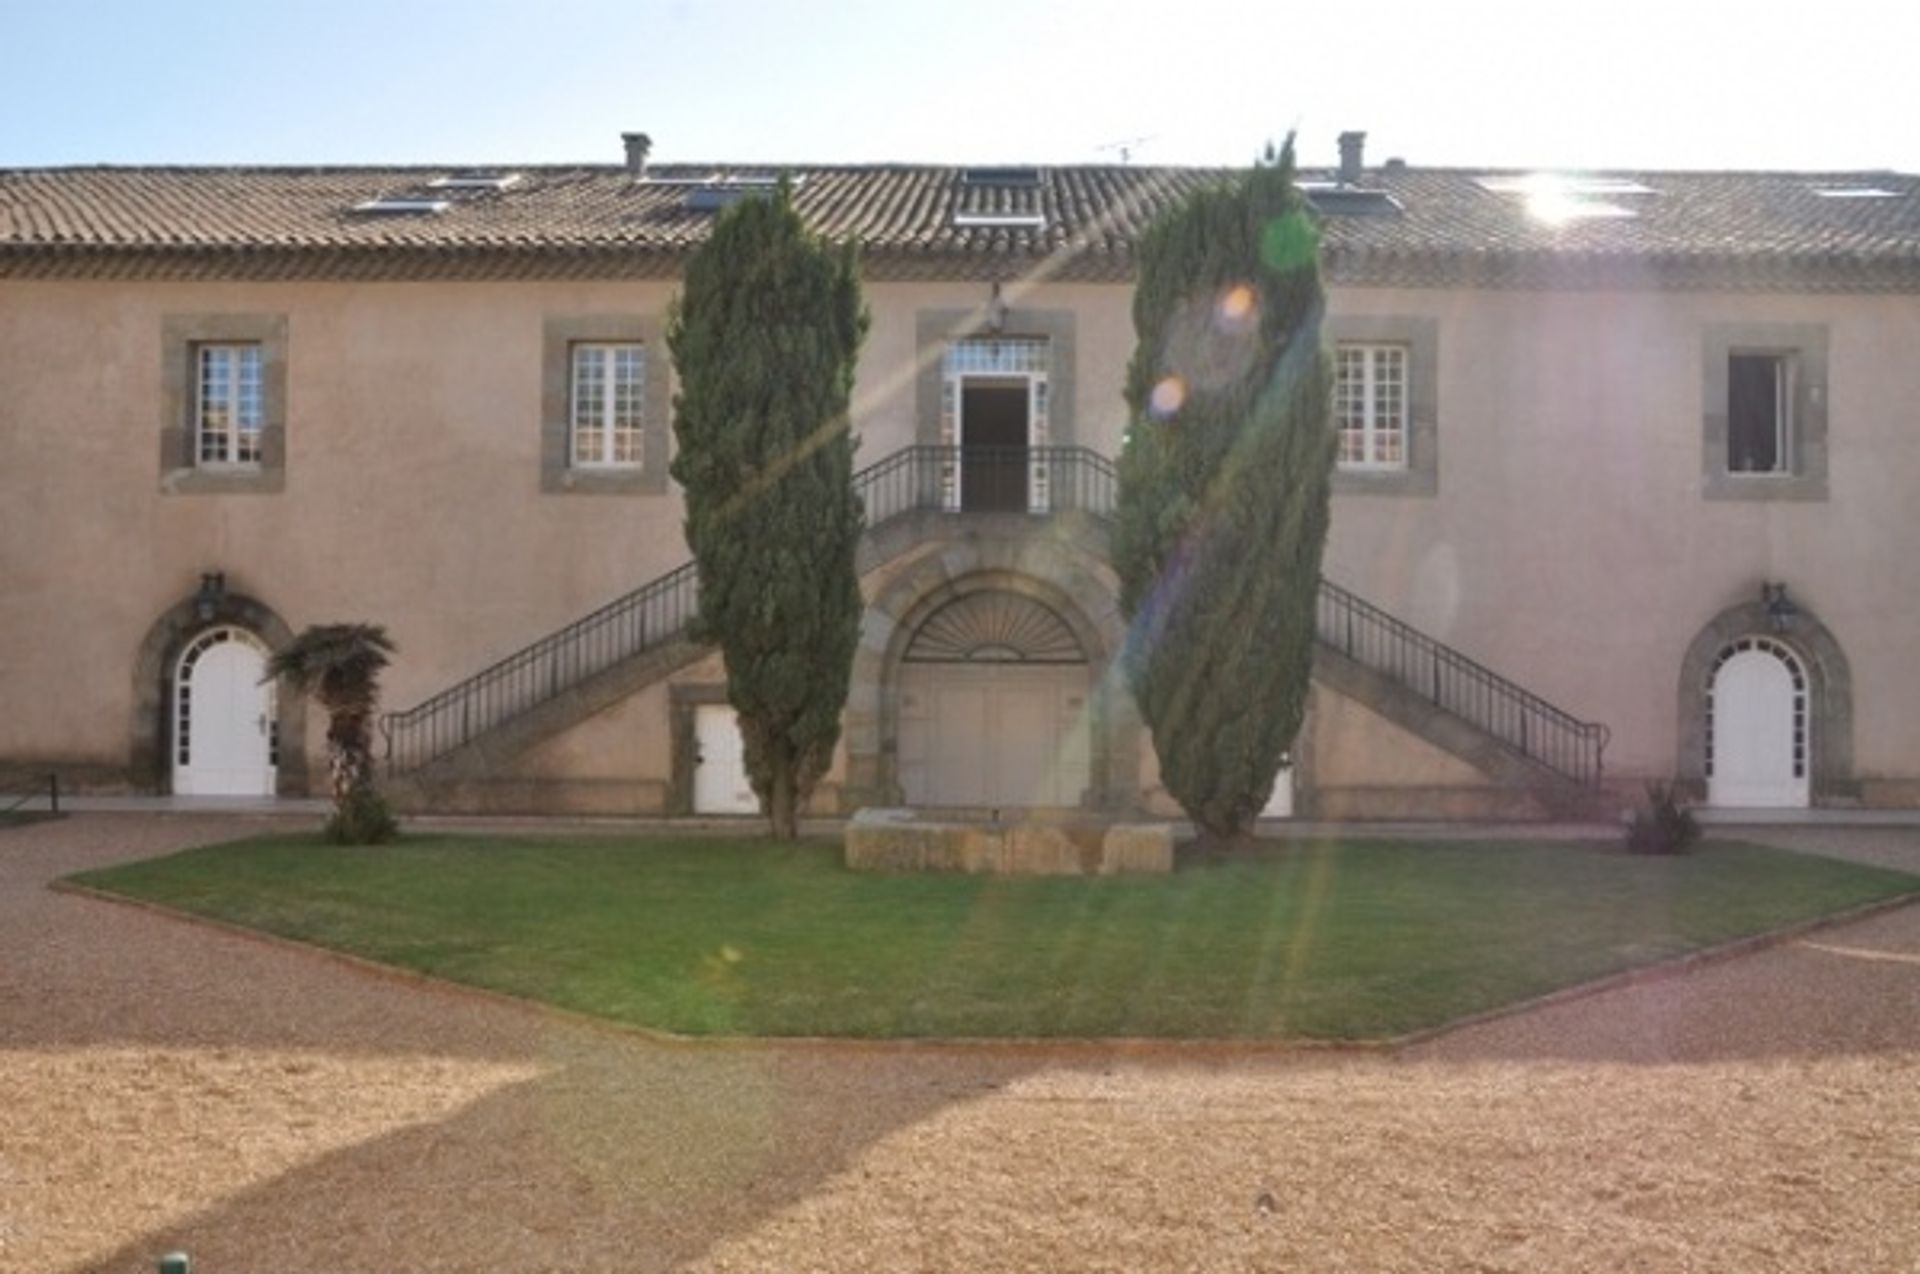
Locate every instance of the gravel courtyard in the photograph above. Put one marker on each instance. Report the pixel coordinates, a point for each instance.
(164, 1085)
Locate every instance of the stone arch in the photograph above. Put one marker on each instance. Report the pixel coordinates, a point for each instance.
(1051, 574)
(1829, 696)
(153, 671)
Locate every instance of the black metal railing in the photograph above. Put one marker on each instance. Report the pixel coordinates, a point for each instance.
(649, 616)
(1442, 675)
(1036, 480)
(970, 480)
(952, 479)
(29, 789)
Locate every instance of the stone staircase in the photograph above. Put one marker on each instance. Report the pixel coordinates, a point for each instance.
(475, 728)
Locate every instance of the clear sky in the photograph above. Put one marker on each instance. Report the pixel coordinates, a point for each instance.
(1677, 84)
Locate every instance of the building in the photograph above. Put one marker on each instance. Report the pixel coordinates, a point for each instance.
(1627, 465)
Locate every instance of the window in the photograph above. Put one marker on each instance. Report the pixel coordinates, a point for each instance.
(603, 408)
(1759, 413)
(1370, 405)
(227, 411)
(1764, 394)
(608, 405)
(1386, 403)
(223, 404)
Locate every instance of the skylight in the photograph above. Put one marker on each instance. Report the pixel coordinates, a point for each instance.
(720, 180)
(1532, 184)
(1332, 198)
(475, 180)
(1855, 192)
(404, 205)
(1558, 198)
(1009, 220)
(1005, 177)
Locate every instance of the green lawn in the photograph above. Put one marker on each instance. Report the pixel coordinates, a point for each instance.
(1330, 939)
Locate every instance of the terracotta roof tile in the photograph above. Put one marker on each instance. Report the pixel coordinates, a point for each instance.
(1758, 229)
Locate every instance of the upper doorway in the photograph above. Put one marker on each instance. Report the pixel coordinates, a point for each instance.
(994, 418)
(993, 445)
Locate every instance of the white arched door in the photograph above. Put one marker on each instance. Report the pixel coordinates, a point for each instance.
(1757, 727)
(224, 732)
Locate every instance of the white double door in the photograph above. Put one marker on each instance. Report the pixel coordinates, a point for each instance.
(223, 718)
(994, 735)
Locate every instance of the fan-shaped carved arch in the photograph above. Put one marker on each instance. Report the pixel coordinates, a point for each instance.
(994, 626)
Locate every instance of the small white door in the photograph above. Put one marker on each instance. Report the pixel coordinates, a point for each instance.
(223, 741)
(1280, 804)
(719, 767)
(1759, 730)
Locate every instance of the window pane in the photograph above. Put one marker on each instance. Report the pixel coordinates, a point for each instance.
(608, 404)
(1370, 405)
(1755, 413)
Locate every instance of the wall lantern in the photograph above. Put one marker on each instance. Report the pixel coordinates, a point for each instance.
(996, 312)
(1780, 609)
(211, 597)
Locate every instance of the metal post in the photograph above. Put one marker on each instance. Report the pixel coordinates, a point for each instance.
(53, 791)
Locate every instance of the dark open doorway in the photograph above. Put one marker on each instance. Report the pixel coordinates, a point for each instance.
(993, 464)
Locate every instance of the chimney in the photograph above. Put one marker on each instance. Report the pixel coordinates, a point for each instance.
(638, 144)
(1351, 146)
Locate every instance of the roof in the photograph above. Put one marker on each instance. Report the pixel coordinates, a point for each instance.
(1764, 230)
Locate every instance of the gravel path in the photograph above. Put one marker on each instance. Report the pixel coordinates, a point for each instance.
(163, 1085)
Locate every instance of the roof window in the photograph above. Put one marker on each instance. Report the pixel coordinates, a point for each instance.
(403, 206)
(1563, 184)
(1007, 220)
(1007, 178)
(1333, 198)
(1852, 191)
(475, 179)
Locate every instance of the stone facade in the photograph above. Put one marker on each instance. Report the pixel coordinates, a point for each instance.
(1556, 525)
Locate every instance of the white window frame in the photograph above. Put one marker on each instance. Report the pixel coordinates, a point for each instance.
(1374, 427)
(1783, 394)
(229, 418)
(1000, 359)
(613, 426)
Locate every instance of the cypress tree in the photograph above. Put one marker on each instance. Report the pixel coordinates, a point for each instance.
(1224, 485)
(764, 338)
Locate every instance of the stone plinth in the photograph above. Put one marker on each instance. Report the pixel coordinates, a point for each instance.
(905, 840)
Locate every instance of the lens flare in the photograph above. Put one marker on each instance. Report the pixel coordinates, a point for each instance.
(1203, 349)
(1167, 398)
(1236, 309)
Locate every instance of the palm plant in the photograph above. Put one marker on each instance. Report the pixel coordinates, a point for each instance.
(339, 665)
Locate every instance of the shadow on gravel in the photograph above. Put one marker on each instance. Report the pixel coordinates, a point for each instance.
(628, 1157)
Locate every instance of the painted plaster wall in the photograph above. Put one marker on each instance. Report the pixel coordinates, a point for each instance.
(1569, 546)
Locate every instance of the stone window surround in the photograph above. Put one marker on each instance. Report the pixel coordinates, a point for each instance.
(1806, 344)
(1421, 336)
(150, 742)
(180, 471)
(558, 475)
(933, 329)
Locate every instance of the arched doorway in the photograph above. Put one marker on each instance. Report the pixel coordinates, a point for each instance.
(995, 707)
(225, 736)
(1756, 728)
